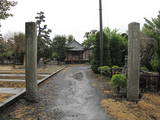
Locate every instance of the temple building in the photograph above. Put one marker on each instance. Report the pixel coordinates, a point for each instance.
(76, 53)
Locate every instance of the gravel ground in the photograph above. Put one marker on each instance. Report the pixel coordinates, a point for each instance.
(69, 95)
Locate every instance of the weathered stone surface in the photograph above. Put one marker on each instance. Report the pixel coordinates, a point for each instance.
(133, 62)
(31, 61)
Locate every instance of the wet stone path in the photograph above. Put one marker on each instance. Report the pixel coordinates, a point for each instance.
(66, 96)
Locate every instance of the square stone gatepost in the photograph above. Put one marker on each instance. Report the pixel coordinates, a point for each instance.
(133, 62)
(31, 61)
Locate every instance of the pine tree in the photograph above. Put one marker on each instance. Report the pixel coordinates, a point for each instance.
(44, 40)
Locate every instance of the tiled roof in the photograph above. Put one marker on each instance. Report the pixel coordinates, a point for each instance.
(75, 46)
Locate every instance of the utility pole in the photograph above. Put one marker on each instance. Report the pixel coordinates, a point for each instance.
(101, 33)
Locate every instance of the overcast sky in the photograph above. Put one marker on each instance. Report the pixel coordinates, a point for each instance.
(79, 16)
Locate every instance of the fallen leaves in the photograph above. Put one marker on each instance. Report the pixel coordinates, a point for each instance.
(148, 108)
(12, 84)
(4, 96)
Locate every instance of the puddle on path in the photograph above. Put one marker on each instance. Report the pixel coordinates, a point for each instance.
(78, 76)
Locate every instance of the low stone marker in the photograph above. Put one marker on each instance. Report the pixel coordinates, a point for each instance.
(31, 61)
(133, 62)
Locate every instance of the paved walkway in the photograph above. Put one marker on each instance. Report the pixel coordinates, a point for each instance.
(66, 96)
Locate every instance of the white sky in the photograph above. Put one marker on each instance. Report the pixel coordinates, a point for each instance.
(79, 16)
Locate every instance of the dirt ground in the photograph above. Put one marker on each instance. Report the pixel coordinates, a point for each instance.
(18, 77)
(148, 108)
(4, 69)
(12, 84)
(5, 96)
(20, 69)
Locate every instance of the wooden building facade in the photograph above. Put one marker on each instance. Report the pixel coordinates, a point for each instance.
(75, 52)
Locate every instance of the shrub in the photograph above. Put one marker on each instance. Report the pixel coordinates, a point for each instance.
(104, 69)
(115, 67)
(94, 66)
(119, 81)
(144, 69)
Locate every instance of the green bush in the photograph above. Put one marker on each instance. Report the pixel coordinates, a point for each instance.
(119, 81)
(94, 66)
(115, 67)
(104, 69)
(144, 69)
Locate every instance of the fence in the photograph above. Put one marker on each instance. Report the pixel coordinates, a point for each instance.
(149, 82)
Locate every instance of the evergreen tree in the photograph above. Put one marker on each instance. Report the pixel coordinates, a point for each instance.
(70, 38)
(96, 53)
(44, 40)
(90, 39)
(118, 46)
(59, 48)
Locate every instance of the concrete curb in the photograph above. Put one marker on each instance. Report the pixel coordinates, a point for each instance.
(16, 97)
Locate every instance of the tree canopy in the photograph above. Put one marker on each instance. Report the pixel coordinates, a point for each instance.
(59, 47)
(118, 46)
(5, 6)
(116, 42)
(152, 29)
(44, 40)
(90, 39)
(12, 48)
(96, 52)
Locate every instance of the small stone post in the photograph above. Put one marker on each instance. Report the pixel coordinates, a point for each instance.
(31, 61)
(133, 62)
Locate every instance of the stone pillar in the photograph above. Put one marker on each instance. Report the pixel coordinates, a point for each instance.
(31, 61)
(133, 62)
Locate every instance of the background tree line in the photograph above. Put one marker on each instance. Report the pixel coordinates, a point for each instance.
(115, 46)
(12, 48)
